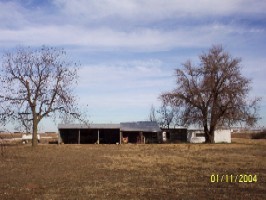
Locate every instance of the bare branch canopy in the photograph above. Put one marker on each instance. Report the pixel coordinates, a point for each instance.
(214, 93)
(38, 81)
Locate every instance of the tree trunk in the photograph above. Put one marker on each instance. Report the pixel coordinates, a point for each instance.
(34, 133)
(209, 136)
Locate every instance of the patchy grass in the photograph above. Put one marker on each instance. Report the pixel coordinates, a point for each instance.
(173, 171)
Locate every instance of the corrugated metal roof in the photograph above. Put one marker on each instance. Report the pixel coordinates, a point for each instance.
(142, 126)
(90, 126)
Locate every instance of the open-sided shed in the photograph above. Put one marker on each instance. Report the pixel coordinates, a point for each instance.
(89, 134)
(126, 132)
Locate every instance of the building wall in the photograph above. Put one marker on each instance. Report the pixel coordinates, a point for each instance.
(222, 136)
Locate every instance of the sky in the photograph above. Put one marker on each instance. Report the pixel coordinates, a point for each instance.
(129, 49)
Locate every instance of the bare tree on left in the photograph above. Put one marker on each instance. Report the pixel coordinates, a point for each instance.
(37, 83)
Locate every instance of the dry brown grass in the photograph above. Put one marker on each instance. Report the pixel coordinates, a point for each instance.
(174, 171)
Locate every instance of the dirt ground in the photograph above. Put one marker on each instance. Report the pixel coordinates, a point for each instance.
(162, 171)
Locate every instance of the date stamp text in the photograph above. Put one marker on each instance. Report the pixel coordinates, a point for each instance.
(230, 178)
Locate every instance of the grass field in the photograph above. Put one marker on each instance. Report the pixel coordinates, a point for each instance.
(170, 171)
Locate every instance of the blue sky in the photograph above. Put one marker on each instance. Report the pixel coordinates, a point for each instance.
(128, 49)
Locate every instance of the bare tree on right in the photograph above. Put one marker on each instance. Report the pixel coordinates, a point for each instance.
(213, 94)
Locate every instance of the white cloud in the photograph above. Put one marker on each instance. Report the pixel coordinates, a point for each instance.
(63, 27)
(144, 39)
(12, 15)
(150, 10)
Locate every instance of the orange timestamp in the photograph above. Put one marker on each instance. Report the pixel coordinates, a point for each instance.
(240, 178)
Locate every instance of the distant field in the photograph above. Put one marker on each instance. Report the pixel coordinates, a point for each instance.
(250, 135)
(173, 171)
(16, 138)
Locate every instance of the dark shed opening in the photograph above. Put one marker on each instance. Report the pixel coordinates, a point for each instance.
(142, 132)
(92, 134)
(174, 135)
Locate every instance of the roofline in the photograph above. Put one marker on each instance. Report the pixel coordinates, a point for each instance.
(90, 126)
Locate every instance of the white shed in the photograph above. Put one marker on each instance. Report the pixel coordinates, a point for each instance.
(222, 136)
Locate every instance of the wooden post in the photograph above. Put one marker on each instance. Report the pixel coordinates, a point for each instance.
(59, 137)
(141, 137)
(120, 137)
(98, 141)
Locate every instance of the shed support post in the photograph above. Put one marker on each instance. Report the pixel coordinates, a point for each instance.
(141, 137)
(120, 137)
(98, 141)
(59, 137)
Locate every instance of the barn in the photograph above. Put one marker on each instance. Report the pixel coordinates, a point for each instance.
(141, 132)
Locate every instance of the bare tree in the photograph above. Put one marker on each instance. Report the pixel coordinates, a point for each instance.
(152, 115)
(38, 82)
(213, 94)
(23, 122)
(78, 115)
(4, 112)
(166, 115)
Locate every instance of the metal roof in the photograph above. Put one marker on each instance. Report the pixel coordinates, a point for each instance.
(89, 126)
(141, 126)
